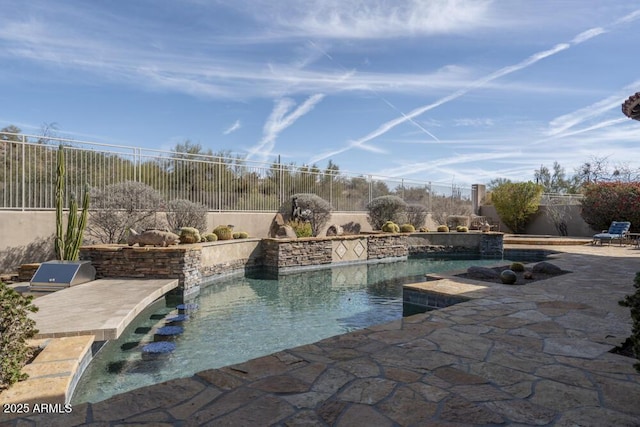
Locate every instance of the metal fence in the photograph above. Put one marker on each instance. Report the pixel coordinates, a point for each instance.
(28, 178)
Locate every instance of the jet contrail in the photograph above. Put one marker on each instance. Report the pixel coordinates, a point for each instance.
(386, 127)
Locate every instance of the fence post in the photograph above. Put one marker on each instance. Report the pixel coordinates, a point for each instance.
(23, 173)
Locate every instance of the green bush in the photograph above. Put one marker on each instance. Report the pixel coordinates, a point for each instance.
(301, 228)
(611, 201)
(633, 302)
(516, 266)
(390, 227)
(407, 228)
(210, 237)
(15, 329)
(223, 232)
(240, 235)
(462, 229)
(515, 202)
(443, 229)
(386, 208)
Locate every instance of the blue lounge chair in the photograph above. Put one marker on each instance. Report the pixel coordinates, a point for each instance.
(618, 230)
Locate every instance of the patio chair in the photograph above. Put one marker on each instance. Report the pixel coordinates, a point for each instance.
(618, 230)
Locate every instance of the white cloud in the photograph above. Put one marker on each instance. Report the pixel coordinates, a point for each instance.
(361, 19)
(280, 119)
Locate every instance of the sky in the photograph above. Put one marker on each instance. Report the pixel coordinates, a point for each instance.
(446, 91)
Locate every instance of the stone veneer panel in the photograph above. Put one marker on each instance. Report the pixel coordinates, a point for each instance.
(190, 264)
(387, 246)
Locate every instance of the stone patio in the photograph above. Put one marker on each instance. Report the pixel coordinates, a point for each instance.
(513, 355)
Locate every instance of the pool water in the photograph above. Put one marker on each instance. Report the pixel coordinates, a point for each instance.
(244, 317)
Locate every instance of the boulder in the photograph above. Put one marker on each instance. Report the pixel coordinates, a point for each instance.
(545, 267)
(152, 238)
(482, 273)
(286, 232)
(508, 277)
(335, 230)
(276, 224)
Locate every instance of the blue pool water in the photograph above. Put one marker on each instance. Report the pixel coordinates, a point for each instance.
(241, 318)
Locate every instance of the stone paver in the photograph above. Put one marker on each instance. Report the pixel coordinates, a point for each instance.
(512, 355)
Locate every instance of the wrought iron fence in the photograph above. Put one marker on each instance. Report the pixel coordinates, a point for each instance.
(28, 177)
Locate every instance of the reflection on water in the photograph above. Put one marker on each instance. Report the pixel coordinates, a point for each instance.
(240, 318)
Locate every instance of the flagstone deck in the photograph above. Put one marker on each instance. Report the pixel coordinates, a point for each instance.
(514, 355)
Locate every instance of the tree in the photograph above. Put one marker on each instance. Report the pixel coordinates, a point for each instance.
(555, 182)
(121, 206)
(605, 202)
(516, 202)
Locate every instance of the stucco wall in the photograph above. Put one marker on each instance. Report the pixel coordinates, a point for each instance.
(541, 224)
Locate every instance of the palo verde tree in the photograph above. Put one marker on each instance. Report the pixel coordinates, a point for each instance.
(515, 202)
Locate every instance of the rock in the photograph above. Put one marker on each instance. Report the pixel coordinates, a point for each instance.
(276, 224)
(508, 277)
(152, 238)
(545, 267)
(335, 230)
(286, 232)
(482, 273)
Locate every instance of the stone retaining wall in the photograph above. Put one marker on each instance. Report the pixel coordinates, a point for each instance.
(191, 264)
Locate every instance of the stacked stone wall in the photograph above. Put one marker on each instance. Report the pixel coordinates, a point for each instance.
(296, 253)
(387, 246)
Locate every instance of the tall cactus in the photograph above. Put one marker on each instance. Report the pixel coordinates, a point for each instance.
(68, 247)
(59, 242)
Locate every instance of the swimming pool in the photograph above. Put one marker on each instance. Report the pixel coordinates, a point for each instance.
(244, 317)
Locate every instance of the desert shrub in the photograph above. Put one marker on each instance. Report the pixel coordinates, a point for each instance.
(301, 228)
(407, 228)
(416, 215)
(189, 235)
(515, 202)
(210, 237)
(223, 232)
(633, 302)
(243, 235)
(121, 206)
(15, 329)
(184, 213)
(516, 266)
(390, 227)
(386, 208)
(611, 201)
(462, 229)
(313, 209)
(442, 229)
(454, 221)
(423, 229)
